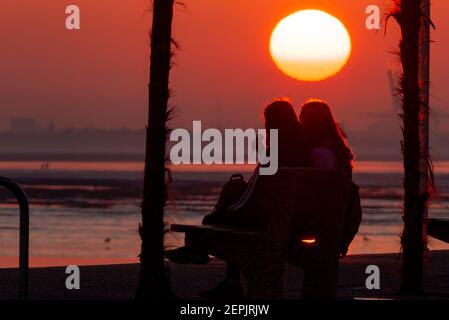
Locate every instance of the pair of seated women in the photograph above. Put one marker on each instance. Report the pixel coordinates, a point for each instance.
(313, 139)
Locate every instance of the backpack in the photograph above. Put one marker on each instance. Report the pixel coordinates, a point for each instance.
(230, 194)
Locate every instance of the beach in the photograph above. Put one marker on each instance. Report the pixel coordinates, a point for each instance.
(118, 282)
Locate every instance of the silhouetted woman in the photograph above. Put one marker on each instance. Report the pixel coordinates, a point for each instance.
(328, 148)
(281, 115)
(292, 152)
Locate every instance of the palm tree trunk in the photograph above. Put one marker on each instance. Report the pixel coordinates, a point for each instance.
(154, 282)
(414, 201)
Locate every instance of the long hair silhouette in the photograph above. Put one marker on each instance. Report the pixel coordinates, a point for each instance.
(281, 115)
(320, 129)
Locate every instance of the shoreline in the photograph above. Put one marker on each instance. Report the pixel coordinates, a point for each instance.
(359, 247)
(51, 262)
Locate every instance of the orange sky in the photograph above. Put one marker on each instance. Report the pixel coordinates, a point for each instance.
(223, 74)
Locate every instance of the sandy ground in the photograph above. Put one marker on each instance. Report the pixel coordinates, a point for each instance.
(119, 281)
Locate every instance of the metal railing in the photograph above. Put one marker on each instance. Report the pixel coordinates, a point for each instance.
(24, 233)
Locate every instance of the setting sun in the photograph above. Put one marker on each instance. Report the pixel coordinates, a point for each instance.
(310, 45)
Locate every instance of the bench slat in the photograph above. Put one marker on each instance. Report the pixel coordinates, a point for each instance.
(211, 228)
(439, 229)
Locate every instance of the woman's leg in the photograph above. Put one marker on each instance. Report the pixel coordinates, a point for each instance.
(194, 251)
(194, 242)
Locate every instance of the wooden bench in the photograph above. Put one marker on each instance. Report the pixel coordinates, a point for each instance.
(439, 229)
(305, 209)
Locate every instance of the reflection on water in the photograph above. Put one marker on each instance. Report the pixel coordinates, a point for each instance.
(95, 215)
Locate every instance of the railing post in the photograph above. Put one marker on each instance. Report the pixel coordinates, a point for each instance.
(24, 233)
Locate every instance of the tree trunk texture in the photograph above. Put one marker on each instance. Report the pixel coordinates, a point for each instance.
(414, 200)
(154, 282)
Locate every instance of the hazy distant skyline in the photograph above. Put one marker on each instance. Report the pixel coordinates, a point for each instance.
(222, 75)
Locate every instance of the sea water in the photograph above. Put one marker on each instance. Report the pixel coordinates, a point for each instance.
(75, 218)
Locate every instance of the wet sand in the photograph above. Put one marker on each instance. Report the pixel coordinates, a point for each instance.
(118, 282)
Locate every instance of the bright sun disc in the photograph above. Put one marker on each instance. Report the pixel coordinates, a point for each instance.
(310, 45)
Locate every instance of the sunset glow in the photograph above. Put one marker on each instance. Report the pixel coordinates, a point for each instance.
(310, 45)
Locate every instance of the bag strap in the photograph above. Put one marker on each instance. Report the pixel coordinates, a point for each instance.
(237, 176)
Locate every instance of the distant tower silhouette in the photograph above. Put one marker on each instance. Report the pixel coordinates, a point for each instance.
(396, 101)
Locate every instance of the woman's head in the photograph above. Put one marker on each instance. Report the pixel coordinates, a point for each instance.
(281, 115)
(321, 130)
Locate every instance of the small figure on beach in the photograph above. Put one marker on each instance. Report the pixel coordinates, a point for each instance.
(45, 166)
